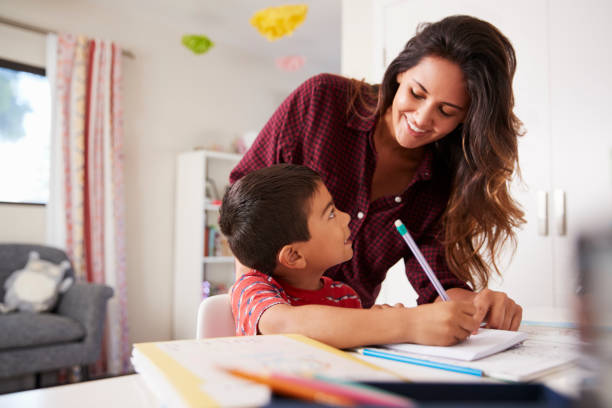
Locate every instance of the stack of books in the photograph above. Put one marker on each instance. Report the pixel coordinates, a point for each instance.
(243, 371)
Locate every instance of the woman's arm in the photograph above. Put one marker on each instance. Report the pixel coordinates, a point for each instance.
(435, 324)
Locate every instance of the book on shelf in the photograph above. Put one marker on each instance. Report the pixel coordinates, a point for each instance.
(215, 243)
(192, 373)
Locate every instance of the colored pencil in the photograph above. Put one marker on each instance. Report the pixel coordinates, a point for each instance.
(369, 394)
(293, 388)
(421, 362)
(351, 393)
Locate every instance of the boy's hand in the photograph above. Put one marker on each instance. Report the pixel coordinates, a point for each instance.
(445, 323)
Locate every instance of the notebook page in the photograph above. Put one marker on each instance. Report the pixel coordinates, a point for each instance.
(190, 373)
(482, 344)
(545, 350)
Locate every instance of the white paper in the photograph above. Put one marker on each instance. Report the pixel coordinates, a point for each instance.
(482, 344)
(275, 353)
(546, 349)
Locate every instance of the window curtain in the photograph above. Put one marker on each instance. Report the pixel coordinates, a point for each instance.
(86, 213)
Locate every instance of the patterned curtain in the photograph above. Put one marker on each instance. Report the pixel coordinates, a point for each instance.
(86, 206)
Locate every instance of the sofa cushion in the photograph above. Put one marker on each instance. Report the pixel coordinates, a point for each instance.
(27, 329)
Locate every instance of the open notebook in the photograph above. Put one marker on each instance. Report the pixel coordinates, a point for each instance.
(546, 349)
(482, 344)
(186, 373)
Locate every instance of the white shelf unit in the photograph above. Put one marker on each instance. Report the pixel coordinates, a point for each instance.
(192, 214)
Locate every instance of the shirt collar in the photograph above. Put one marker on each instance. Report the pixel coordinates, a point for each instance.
(425, 170)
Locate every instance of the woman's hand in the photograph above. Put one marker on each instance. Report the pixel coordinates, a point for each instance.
(445, 323)
(498, 310)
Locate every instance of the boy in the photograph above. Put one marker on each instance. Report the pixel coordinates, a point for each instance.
(281, 222)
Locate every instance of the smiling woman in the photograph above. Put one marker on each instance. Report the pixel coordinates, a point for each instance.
(421, 115)
(434, 145)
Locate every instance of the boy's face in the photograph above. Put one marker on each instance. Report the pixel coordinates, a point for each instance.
(329, 242)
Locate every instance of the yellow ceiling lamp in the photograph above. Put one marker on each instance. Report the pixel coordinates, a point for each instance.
(277, 22)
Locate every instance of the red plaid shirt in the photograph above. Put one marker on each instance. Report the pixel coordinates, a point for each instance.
(312, 127)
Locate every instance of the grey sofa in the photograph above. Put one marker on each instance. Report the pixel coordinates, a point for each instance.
(68, 336)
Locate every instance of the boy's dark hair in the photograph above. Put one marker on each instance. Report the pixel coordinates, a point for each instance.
(266, 210)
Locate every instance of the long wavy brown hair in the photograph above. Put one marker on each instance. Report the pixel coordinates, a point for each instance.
(481, 154)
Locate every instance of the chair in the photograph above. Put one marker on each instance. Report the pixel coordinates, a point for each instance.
(215, 318)
(70, 335)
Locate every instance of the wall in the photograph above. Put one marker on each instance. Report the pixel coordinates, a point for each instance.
(357, 56)
(173, 101)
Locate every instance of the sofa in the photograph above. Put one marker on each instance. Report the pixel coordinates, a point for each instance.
(69, 336)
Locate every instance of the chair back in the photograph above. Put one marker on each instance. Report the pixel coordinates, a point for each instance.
(215, 318)
(15, 256)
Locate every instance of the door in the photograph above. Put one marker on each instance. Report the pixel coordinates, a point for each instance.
(581, 128)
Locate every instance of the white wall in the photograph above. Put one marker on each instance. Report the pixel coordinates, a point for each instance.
(173, 101)
(357, 56)
(22, 223)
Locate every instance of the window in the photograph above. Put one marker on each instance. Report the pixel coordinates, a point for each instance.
(25, 137)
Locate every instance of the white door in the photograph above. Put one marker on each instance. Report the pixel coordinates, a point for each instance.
(581, 126)
(536, 276)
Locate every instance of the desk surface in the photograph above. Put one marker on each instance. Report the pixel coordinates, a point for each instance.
(131, 391)
(124, 391)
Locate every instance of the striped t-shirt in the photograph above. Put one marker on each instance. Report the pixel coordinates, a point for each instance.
(254, 292)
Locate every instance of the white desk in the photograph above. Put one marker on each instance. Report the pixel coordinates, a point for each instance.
(129, 391)
(118, 392)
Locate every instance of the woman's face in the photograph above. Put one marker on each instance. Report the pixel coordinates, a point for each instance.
(430, 102)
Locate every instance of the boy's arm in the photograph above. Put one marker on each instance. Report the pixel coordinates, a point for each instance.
(435, 324)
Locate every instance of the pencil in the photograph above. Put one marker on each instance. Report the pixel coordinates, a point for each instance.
(403, 231)
(421, 362)
(366, 394)
(292, 388)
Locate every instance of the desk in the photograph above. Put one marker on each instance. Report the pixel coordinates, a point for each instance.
(129, 391)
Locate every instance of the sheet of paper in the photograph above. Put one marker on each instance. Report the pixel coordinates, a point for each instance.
(546, 349)
(275, 353)
(482, 344)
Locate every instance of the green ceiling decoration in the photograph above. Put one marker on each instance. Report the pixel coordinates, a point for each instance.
(199, 44)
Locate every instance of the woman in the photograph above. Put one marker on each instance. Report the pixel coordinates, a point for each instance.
(434, 145)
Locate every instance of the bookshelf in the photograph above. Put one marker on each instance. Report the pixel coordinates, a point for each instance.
(199, 270)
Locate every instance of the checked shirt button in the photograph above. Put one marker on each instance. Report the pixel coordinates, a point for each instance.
(398, 199)
(360, 215)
